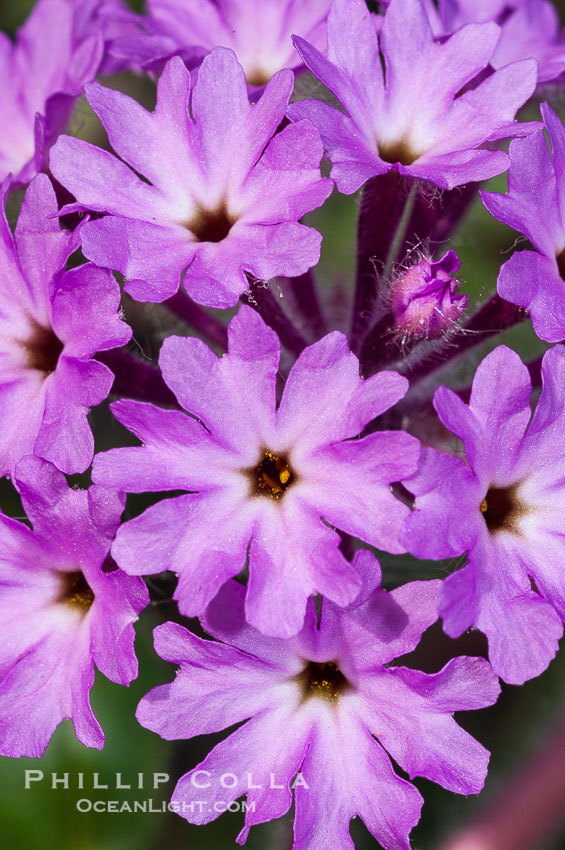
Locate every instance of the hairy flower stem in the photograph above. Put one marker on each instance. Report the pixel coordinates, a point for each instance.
(195, 316)
(534, 368)
(398, 245)
(308, 305)
(260, 297)
(436, 217)
(382, 205)
(135, 379)
(379, 346)
(492, 318)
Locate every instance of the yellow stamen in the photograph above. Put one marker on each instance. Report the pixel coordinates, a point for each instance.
(272, 476)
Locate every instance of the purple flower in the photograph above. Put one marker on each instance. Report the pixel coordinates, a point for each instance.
(52, 323)
(40, 77)
(414, 118)
(424, 298)
(528, 29)
(258, 31)
(535, 206)
(504, 505)
(323, 708)
(120, 28)
(61, 610)
(267, 483)
(222, 194)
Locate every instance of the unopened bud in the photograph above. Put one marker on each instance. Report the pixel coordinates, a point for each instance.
(424, 298)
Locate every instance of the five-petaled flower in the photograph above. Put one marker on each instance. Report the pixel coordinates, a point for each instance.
(64, 607)
(52, 323)
(284, 469)
(504, 506)
(325, 704)
(415, 117)
(268, 484)
(221, 191)
(258, 31)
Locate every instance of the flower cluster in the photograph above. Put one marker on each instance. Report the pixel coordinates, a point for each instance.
(277, 446)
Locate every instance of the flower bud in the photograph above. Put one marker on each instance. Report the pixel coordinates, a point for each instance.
(424, 299)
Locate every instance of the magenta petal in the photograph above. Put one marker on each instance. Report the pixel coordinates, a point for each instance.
(500, 400)
(531, 189)
(21, 413)
(544, 563)
(290, 558)
(225, 620)
(451, 170)
(176, 453)
(533, 281)
(369, 570)
(102, 182)
(76, 163)
(120, 601)
(463, 684)
(138, 549)
(547, 422)
(189, 524)
(85, 312)
(364, 505)
(234, 395)
(286, 179)
(286, 249)
(65, 437)
(49, 684)
(219, 103)
(375, 396)
(119, 113)
(197, 701)
(63, 516)
(317, 392)
(424, 740)
(352, 162)
(356, 779)
(447, 494)
(482, 111)
(142, 252)
(556, 133)
(493, 594)
(523, 631)
(390, 624)
(250, 755)
(42, 246)
(496, 417)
